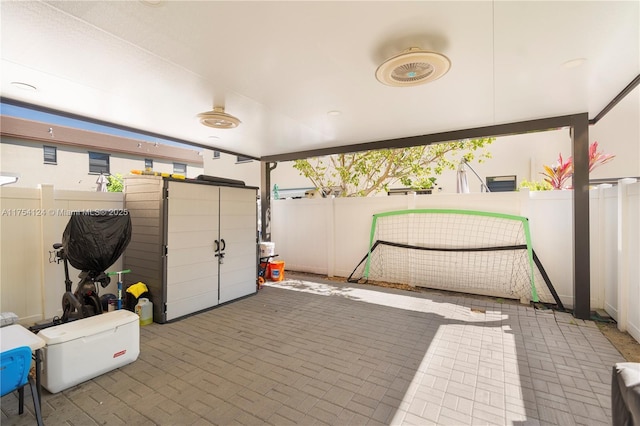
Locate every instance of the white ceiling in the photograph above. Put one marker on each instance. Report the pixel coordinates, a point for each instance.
(282, 66)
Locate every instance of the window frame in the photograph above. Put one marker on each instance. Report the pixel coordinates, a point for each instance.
(177, 171)
(504, 183)
(101, 168)
(149, 160)
(55, 154)
(243, 159)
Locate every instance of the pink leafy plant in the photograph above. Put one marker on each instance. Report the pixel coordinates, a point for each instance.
(560, 175)
(596, 158)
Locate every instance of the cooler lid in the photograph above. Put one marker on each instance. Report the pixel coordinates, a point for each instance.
(87, 326)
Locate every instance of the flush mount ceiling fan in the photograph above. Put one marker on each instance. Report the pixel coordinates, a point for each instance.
(412, 67)
(218, 119)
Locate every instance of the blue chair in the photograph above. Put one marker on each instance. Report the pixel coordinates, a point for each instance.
(14, 370)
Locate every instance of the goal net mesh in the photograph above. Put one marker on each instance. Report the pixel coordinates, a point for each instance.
(456, 250)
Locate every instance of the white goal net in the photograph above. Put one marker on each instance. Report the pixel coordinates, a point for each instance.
(456, 250)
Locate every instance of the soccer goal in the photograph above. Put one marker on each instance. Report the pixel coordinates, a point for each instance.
(456, 250)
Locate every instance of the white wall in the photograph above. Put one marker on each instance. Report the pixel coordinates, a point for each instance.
(285, 176)
(619, 133)
(227, 166)
(72, 169)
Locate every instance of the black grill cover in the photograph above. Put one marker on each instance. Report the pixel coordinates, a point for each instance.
(93, 241)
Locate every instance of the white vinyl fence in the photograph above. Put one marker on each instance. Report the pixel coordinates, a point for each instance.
(331, 235)
(32, 220)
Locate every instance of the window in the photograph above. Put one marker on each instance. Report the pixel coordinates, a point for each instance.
(501, 183)
(242, 159)
(216, 154)
(98, 163)
(148, 164)
(180, 168)
(50, 154)
(406, 191)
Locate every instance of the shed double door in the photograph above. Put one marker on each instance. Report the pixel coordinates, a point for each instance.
(211, 243)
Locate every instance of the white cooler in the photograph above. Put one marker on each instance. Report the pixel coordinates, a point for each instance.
(83, 349)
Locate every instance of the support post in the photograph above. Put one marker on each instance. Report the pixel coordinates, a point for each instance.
(581, 255)
(265, 199)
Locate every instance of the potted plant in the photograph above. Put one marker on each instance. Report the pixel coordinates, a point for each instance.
(559, 176)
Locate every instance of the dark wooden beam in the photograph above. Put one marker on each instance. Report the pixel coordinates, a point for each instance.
(581, 253)
(634, 83)
(265, 199)
(477, 132)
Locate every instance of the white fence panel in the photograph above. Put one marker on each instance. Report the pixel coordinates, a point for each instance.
(634, 256)
(551, 224)
(606, 257)
(32, 221)
(330, 236)
(353, 217)
(20, 254)
(494, 202)
(300, 230)
(629, 258)
(597, 241)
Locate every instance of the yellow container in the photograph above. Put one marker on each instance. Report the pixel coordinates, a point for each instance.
(144, 309)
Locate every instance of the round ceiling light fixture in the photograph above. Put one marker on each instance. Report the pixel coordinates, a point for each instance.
(574, 63)
(24, 86)
(152, 3)
(218, 119)
(413, 67)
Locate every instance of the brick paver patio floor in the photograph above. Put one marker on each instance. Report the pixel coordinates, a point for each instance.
(308, 353)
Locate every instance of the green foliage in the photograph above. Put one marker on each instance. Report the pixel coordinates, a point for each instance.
(536, 185)
(115, 184)
(364, 173)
